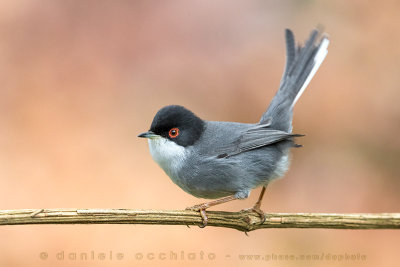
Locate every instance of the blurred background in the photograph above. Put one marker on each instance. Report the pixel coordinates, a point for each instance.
(79, 80)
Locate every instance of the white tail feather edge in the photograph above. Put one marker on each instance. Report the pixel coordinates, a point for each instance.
(318, 59)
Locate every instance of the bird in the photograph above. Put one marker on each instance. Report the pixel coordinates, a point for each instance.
(224, 161)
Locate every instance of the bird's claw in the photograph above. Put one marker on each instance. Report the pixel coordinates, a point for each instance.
(259, 211)
(202, 209)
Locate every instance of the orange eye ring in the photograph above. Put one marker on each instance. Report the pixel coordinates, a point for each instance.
(173, 133)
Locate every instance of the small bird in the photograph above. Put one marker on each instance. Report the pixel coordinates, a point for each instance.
(226, 160)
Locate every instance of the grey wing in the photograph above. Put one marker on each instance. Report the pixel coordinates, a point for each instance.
(256, 137)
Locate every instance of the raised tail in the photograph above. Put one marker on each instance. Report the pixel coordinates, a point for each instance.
(302, 62)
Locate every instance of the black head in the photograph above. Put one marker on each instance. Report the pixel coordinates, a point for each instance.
(177, 124)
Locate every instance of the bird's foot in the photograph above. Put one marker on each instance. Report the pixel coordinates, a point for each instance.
(256, 208)
(202, 209)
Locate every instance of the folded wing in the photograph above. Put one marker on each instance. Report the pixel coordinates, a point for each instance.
(258, 136)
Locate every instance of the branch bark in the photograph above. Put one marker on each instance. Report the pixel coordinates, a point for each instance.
(243, 221)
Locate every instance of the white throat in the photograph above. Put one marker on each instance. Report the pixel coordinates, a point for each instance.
(168, 155)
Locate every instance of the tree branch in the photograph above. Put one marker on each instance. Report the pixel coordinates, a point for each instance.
(243, 221)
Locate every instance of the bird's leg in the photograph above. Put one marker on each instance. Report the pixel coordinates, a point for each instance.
(202, 207)
(257, 207)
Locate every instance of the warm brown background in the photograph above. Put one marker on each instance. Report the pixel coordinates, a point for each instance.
(80, 79)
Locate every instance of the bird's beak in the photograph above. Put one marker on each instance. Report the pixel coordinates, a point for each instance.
(148, 134)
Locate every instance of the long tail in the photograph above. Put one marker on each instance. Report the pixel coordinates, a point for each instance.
(301, 65)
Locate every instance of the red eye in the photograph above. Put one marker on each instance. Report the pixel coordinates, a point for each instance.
(174, 132)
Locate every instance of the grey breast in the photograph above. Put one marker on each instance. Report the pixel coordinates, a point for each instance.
(208, 176)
